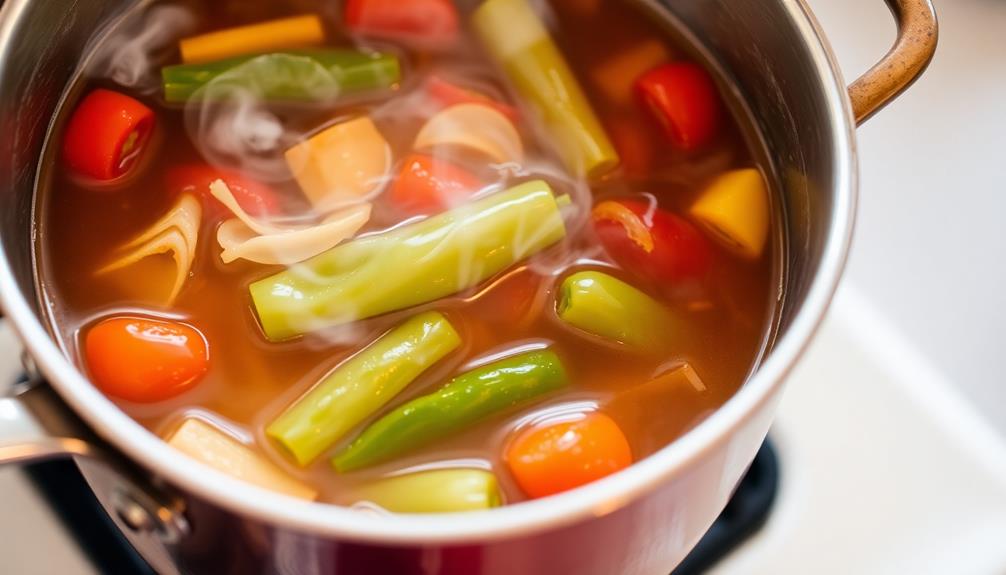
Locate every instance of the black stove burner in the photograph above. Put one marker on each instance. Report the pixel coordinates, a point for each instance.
(66, 491)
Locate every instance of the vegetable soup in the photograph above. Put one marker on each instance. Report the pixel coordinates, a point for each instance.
(415, 256)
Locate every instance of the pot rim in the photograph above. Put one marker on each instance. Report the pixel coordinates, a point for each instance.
(593, 500)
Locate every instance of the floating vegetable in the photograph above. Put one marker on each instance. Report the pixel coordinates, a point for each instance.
(106, 135)
(255, 198)
(683, 98)
(517, 39)
(652, 243)
(344, 163)
(427, 185)
(145, 360)
(211, 446)
(362, 385)
(465, 400)
(176, 232)
(557, 457)
(616, 76)
(447, 94)
(244, 237)
(436, 491)
(479, 127)
(635, 141)
(425, 23)
(412, 264)
(734, 209)
(605, 306)
(282, 34)
(296, 75)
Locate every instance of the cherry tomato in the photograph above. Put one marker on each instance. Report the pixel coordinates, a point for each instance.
(684, 100)
(426, 185)
(145, 360)
(106, 135)
(254, 197)
(554, 458)
(447, 94)
(652, 243)
(431, 23)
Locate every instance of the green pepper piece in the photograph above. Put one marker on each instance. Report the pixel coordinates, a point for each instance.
(411, 265)
(287, 76)
(517, 39)
(465, 400)
(436, 491)
(362, 385)
(605, 306)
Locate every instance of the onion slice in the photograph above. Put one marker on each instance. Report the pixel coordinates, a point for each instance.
(176, 232)
(244, 237)
(475, 126)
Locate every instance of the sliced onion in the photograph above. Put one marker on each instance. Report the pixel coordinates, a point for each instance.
(475, 126)
(176, 232)
(244, 237)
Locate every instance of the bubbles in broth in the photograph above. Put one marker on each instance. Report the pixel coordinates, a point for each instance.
(416, 277)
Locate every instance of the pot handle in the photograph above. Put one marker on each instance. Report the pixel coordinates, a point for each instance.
(918, 31)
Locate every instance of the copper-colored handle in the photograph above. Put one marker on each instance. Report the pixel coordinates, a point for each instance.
(903, 64)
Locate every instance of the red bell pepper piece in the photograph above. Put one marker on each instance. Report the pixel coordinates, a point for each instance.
(254, 197)
(427, 185)
(446, 94)
(106, 135)
(635, 143)
(430, 23)
(683, 98)
(652, 243)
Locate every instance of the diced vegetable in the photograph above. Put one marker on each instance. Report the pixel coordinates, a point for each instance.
(476, 126)
(424, 23)
(683, 98)
(282, 34)
(106, 135)
(362, 385)
(652, 243)
(297, 75)
(343, 163)
(410, 265)
(255, 198)
(636, 143)
(517, 39)
(145, 360)
(616, 76)
(427, 185)
(607, 307)
(177, 232)
(436, 491)
(447, 94)
(734, 209)
(553, 458)
(244, 237)
(211, 446)
(465, 400)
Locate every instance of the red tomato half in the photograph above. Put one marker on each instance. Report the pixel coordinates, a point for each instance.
(106, 135)
(447, 94)
(432, 23)
(145, 360)
(683, 98)
(652, 243)
(426, 185)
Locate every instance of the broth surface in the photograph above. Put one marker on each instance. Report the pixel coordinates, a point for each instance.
(252, 380)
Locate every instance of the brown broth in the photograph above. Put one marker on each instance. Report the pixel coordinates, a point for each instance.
(251, 381)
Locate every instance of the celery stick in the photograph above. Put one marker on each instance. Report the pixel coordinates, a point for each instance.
(436, 491)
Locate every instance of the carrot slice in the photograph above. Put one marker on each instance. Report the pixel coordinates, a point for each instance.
(282, 34)
(553, 458)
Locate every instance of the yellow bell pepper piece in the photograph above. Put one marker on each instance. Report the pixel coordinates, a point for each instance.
(341, 164)
(734, 209)
(211, 446)
(283, 34)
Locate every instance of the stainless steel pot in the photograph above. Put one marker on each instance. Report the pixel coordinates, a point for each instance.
(188, 518)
